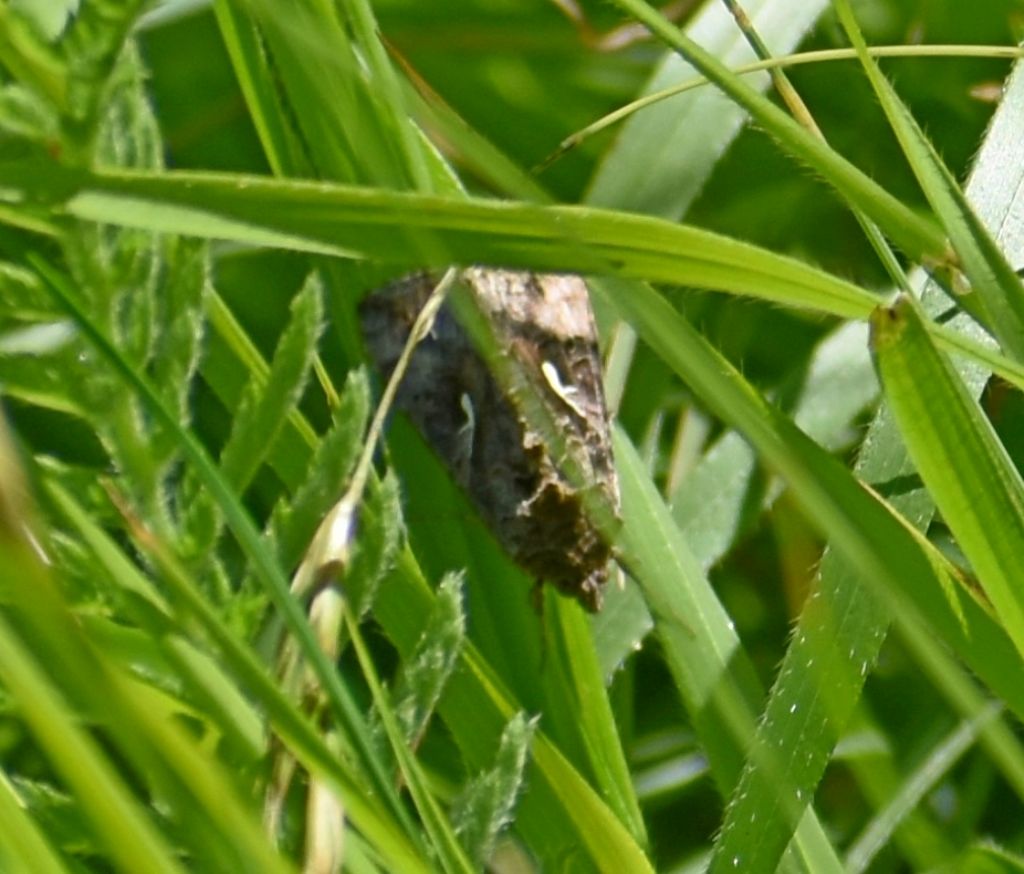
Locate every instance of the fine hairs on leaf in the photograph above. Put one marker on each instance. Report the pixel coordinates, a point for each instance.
(486, 804)
(294, 519)
(263, 410)
(424, 674)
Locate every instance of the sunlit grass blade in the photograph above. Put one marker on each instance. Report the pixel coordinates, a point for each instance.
(992, 278)
(436, 231)
(961, 460)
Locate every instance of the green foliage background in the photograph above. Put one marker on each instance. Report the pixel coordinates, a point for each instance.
(798, 672)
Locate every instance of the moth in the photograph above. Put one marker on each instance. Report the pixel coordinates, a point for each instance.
(516, 480)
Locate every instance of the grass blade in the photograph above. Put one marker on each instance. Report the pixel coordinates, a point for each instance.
(974, 483)
(992, 278)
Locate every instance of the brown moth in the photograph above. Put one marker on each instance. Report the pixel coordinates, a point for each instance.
(505, 466)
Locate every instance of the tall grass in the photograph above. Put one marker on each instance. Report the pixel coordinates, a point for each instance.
(813, 660)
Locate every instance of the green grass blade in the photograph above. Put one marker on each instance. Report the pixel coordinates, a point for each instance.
(129, 836)
(270, 574)
(577, 698)
(435, 231)
(967, 470)
(664, 180)
(937, 764)
(712, 672)
(919, 237)
(23, 845)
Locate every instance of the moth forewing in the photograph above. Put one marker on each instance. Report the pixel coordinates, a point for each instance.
(509, 395)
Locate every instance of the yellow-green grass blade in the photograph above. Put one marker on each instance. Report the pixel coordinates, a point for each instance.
(961, 460)
(23, 845)
(120, 823)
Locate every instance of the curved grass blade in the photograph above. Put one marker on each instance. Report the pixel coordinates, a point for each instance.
(433, 231)
(784, 61)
